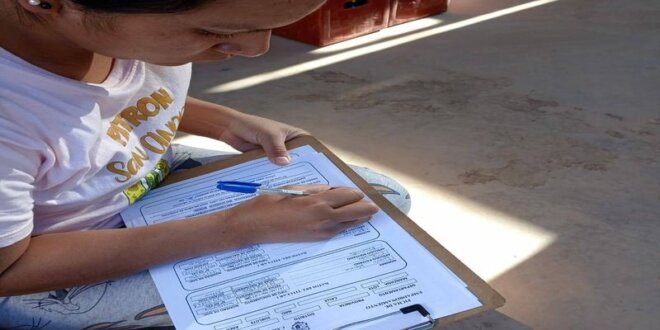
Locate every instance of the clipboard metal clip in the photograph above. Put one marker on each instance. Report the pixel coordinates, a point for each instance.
(426, 322)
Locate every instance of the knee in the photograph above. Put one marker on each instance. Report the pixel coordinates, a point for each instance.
(389, 188)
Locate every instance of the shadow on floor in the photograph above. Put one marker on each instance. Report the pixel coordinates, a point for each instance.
(487, 321)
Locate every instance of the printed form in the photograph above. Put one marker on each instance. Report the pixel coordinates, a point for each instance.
(364, 272)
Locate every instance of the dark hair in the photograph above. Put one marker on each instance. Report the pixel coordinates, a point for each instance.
(138, 6)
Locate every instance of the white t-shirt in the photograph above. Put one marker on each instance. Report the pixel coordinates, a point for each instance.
(74, 154)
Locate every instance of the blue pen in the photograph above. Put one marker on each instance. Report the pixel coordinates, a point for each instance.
(251, 188)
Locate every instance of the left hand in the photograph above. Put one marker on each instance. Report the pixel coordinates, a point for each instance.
(246, 132)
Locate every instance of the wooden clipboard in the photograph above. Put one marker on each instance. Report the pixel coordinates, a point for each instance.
(489, 298)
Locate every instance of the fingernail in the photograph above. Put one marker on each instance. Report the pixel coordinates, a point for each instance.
(282, 160)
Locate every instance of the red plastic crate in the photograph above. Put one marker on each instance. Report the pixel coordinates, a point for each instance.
(408, 10)
(338, 20)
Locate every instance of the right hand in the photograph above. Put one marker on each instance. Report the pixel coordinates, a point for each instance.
(322, 215)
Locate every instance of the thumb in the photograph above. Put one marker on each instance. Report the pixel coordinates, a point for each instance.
(276, 151)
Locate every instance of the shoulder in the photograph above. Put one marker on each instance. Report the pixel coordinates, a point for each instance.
(178, 77)
(22, 147)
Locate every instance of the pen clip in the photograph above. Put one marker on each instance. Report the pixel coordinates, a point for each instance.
(240, 187)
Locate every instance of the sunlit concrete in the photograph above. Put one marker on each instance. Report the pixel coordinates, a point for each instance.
(447, 216)
(384, 40)
(530, 143)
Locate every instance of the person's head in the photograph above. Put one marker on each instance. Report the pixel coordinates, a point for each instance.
(167, 32)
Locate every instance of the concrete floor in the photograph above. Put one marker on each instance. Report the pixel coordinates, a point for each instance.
(529, 139)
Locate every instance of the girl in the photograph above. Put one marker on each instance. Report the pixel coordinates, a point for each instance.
(91, 95)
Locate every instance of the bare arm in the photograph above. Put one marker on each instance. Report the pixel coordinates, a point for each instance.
(56, 261)
(63, 260)
(206, 118)
(240, 130)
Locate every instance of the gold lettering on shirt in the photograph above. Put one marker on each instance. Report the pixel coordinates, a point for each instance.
(154, 142)
(131, 117)
(157, 142)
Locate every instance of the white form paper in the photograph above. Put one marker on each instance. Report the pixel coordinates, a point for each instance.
(369, 270)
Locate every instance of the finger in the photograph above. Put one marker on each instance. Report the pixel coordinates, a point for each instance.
(296, 133)
(239, 143)
(246, 146)
(355, 211)
(275, 149)
(339, 197)
(350, 224)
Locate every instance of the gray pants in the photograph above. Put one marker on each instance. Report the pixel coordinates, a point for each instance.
(133, 301)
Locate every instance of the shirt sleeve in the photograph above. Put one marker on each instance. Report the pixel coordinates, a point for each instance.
(18, 169)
